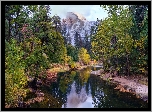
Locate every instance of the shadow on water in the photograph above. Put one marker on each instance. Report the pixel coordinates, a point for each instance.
(79, 89)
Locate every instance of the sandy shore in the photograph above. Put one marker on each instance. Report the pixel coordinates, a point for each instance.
(126, 85)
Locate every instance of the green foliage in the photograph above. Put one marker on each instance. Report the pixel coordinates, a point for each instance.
(139, 30)
(52, 41)
(38, 43)
(15, 78)
(35, 61)
(120, 41)
(55, 49)
(72, 51)
(83, 55)
(15, 17)
(116, 43)
(72, 64)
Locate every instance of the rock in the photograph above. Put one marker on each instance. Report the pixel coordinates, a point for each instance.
(75, 22)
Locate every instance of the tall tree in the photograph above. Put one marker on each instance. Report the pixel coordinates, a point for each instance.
(112, 40)
(139, 31)
(15, 17)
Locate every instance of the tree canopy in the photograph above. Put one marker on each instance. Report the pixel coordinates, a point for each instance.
(34, 39)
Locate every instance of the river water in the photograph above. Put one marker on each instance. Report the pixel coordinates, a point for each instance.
(80, 89)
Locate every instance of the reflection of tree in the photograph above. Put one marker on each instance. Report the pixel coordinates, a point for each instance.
(84, 75)
(63, 84)
(66, 80)
(105, 97)
(48, 102)
(72, 75)
(78, 83)
(60, 89)
(97, 91)
(81, 79)
(55, 91)
(88, 87)
(102, 93)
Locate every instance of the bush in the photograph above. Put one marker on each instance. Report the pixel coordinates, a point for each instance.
(15, 78)
(73, 52)
(72, 65)
(84, 57)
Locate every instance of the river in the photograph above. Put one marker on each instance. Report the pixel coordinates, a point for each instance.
(80, 89)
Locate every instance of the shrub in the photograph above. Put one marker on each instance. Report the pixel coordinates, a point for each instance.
(15, 78)
(84, 57)
(72, 65)
(36, 59)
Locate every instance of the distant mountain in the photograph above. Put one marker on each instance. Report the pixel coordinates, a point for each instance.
(76, 26)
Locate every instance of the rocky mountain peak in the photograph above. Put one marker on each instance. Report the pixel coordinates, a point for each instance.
(81, 17)
(75, 23)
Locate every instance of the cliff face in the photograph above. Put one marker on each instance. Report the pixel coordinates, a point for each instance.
(76, 23)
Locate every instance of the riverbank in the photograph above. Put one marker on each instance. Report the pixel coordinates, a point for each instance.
(38, 95)
(63, 68)
(126, 84)
(45, 79)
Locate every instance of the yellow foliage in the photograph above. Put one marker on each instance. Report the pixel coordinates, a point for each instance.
(84, 56)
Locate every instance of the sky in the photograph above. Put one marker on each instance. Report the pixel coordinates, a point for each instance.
(90, 12)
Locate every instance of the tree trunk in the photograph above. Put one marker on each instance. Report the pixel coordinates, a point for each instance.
(128, 70)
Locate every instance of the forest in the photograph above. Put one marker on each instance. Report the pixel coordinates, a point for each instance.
(35, 43)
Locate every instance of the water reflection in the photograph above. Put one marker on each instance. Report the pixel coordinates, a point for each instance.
(82, 90)
(81, 100)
